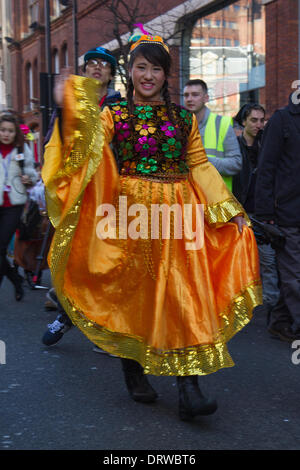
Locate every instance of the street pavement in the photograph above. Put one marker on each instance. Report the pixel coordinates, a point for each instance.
(67, 397)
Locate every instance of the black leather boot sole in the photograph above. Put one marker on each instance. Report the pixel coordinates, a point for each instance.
(192, 402)
(137, 383)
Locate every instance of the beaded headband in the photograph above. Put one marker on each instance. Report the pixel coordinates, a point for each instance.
(146, 38)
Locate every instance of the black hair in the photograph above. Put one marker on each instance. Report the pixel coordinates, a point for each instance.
(197, 82)
(156, 55)
(10, 117)
(245, 112)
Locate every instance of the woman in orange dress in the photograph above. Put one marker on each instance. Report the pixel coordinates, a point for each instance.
(164, 291)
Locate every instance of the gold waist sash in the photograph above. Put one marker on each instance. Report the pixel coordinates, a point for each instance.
(159, 177)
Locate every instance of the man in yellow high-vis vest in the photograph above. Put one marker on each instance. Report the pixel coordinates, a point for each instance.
(218, 136)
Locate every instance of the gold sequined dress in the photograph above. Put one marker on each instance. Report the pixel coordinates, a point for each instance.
(143, 292)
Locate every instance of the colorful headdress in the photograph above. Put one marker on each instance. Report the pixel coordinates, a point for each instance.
(26, 132)
(146, 38)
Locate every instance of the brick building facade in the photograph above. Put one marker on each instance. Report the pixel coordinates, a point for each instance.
(282, 51)
(274, 23)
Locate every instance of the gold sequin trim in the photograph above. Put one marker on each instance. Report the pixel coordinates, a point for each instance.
(200, 359)
(160, 177)
(88, 127)
(223, 211)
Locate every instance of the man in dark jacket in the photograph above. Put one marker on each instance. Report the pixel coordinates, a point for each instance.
(277, 200)
(252, 119)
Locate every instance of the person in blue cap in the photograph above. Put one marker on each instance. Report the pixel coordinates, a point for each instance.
(99, 64)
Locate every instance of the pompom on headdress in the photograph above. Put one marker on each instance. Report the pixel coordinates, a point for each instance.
(26, 132)
(146, 38)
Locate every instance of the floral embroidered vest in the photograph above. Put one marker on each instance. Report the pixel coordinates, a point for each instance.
(149, 143)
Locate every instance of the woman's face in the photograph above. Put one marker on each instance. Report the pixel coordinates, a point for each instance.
(7, 132)
(148, 80)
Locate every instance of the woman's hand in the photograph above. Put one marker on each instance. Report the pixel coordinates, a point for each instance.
(239, 221)
(26, 180)
(58, 92)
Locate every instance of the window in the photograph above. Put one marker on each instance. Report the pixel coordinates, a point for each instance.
(35, 79)
(64, 56)
(231, 59)
(57, 8)
(29, 87)
(56, 61)
(33, 6)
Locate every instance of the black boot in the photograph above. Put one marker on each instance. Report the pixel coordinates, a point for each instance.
(17, 280)
(192, 402)
(137, 384)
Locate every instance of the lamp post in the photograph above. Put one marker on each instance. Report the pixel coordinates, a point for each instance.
(75, 36)
(48, 56)
(46, 79)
